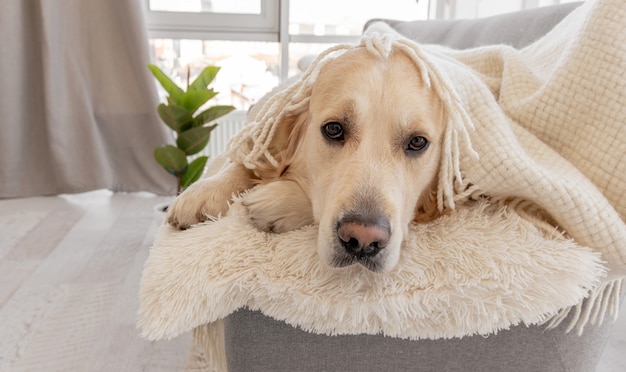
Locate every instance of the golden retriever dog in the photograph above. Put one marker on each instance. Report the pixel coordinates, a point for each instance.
(361, 161)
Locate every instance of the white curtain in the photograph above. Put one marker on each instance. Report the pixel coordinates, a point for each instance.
(77, 103)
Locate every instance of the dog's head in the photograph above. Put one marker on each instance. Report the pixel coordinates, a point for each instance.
(366, 150)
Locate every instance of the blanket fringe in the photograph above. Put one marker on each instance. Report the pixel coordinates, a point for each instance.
(207, 352)
(601, 301)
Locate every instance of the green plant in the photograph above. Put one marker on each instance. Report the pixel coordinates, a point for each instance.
(192, 135)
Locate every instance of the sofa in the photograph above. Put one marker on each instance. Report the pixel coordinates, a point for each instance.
(255, 342)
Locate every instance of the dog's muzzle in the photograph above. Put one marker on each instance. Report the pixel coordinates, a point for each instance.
(362, 240)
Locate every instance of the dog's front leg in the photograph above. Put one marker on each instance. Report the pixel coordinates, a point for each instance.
(278, 206)
(209, 197)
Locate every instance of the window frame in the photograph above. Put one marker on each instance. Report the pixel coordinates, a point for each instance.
(217, 26)
(271, 25)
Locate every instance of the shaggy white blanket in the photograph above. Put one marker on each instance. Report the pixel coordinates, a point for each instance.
(548, 126)
(475, 271)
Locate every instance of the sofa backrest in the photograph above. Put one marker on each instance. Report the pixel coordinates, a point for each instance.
(517, 29)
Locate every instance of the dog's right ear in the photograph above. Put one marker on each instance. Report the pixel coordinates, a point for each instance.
(285, 144)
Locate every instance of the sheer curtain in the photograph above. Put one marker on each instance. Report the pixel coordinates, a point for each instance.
(77, 103)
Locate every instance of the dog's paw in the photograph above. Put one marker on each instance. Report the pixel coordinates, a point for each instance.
(278, 207)
(198, 203)
(209, 197)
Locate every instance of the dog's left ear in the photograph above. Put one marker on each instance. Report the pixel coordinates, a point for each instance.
(426, 209)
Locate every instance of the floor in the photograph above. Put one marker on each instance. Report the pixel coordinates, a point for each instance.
(70, 269)
(69, 275)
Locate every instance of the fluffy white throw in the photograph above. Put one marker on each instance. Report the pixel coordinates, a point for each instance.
(549, 128)
(475, 271)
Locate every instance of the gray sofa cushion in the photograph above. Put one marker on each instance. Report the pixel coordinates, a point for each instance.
(517, 29)
(255, 342)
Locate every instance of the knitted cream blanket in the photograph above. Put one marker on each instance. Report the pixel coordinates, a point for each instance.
(544, 126)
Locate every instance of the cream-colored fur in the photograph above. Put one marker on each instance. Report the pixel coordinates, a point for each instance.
(381, 104)
(278, 207)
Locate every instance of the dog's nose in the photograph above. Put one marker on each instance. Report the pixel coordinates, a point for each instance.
(361, 239)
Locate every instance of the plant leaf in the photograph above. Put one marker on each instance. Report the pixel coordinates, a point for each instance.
(171, 101)
(211, 114)
(204, 79)
(170, 87)
(194, 171)
(176, 117)
(193, 99)
(172, 159)
(194, 140)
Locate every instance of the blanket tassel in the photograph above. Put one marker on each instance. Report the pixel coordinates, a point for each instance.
(601, 301)
(207, 351)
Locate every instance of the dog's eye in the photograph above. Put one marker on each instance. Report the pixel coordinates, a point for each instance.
(417, 144)
(333, 131)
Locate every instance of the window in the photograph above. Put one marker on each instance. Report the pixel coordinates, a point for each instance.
(314, 20)
(258, 43)
(249, 69)
(255, 20)
(316, 25)
(207, 6)
(240, 36)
